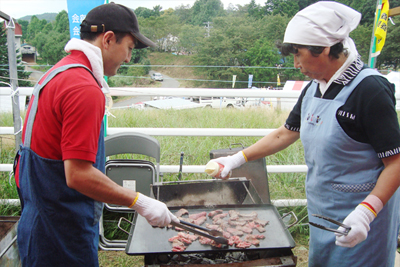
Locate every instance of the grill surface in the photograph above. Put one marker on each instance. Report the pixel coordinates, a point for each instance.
(145, 239)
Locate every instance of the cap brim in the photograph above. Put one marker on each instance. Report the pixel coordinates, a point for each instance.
(143, 41)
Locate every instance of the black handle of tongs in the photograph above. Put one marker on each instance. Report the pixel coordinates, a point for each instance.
(180, 167)
(218, 239)
(346, 227)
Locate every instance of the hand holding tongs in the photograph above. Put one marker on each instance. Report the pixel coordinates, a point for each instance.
(346, 227)
(209, 233)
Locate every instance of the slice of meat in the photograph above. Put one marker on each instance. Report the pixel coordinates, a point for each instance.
(172, 239)
(218, 222)
(188, 236)
(178, 248)
(226, 234)
(243, 244)
(248, 215)
(244, 229)
(220, 216)
(235, 223)
(261, 222)
(181, 212)
(177, 245)
(233, 214)
(252, 240)
(260, 236)
(213, 226)
(260, 228)
(197, 215)
(200, 220)
(233, 240)
(204, 240)
(214, 212)
(234, 231)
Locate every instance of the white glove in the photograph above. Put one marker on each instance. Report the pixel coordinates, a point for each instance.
(230, 163)
(155, 212)
(359, 220)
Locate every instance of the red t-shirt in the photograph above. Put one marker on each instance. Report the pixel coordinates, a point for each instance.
(69, 116)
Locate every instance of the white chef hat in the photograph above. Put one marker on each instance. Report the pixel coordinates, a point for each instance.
(324, 24)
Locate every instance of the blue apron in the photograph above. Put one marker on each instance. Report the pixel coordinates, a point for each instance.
(58, 225)
(341, 173)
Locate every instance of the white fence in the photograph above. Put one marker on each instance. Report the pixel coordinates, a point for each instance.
(274, 95)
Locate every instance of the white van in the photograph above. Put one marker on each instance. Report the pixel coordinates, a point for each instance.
(217, 102)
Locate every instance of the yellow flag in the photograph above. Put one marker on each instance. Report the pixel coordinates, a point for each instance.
(381, 27)
(278, 81)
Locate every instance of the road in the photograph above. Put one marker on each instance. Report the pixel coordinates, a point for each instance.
(167, 82)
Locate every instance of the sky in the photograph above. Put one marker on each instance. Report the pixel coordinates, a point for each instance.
(21, 8)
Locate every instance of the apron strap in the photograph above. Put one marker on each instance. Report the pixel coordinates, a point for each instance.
(349, 88)
(36, 93)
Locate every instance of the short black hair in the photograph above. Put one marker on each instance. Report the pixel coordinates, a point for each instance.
(287, 49)
(91, 36)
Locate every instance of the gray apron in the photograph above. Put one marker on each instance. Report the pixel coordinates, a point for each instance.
(341, 173)
(58, 225)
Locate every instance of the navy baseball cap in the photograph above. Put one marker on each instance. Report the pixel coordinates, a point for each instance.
(115, 17)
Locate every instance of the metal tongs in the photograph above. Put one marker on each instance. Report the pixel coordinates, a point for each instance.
(209, 233)
(346, 227)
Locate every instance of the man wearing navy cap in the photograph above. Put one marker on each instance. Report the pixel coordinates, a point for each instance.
(60, 171)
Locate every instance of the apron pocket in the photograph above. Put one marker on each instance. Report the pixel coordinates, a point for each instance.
(353, 188)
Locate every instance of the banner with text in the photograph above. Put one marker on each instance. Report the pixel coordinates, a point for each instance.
(250, 80)
(77, 10)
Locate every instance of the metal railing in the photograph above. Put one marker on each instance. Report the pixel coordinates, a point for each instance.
(276, 95)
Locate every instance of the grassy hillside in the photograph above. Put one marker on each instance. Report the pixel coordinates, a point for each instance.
(185, 75)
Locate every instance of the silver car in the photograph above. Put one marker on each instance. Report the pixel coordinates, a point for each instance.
(157, 76)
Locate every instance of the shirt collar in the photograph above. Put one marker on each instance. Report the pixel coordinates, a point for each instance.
(350, 72)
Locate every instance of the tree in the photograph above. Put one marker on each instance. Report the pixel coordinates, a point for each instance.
(206, 10)
(24, 27)
(281, 7)
(51, 38)
(254, 10)
(362, 38)
(184, 13)
(229, 40)
(4, 70)
(263, 54)
(190, 38)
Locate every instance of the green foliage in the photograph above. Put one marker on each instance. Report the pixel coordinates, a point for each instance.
(49, 38)
(147, 13)
(265, 54)
(281, 7)
(233, 33)
(206, 10)
(24, 27)
(362, 38)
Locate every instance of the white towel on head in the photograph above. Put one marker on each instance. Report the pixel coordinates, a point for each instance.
(93, 53)
(324, 24)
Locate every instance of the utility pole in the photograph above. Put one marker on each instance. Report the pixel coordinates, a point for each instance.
(12, 62)
(208, 27)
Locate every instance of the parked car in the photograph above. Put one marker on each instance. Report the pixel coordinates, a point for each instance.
(157, 76)
(217, 102)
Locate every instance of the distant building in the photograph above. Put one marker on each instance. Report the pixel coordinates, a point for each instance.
(28, 52)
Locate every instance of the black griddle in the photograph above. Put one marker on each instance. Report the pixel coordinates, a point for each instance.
(146, 240)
